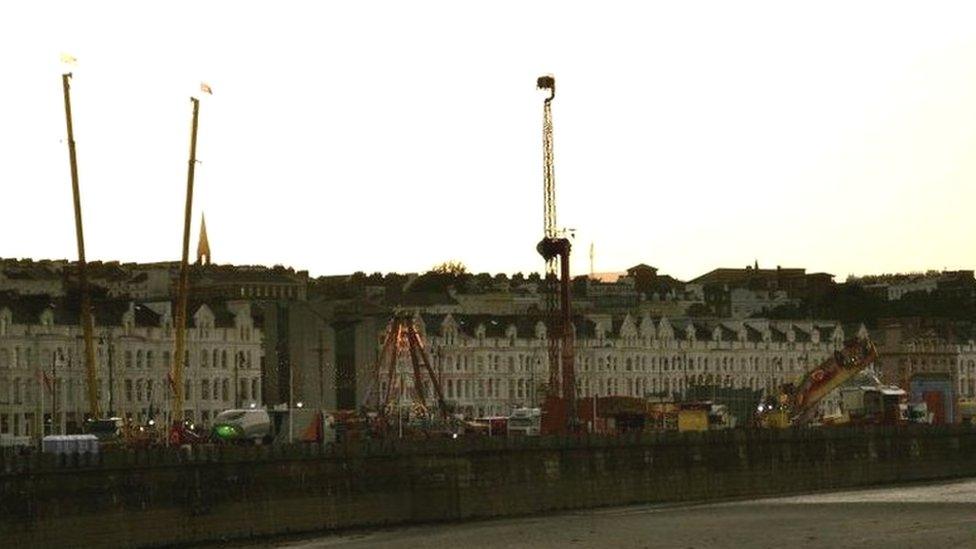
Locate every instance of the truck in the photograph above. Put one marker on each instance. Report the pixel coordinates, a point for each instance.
(492, 426)
(107, 431)
(873, 404)
(967, 412)
(525, 422)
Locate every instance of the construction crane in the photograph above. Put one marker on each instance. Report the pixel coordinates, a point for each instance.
(561, 399)
(87, 324)
(797, 402)
(402, 335)
(176, 376)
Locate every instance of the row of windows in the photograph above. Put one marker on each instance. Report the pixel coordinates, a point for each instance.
(27, 391)
(522, 388)
(490, 363)
(669, 340)
(523, 362)
(19, 357)
(276, 292)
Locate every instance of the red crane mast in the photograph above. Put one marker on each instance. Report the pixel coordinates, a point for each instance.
(561, 398)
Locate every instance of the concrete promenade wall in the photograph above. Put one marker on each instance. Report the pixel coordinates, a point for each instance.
(164, 498)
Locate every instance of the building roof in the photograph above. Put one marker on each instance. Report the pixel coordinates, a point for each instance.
(497, 325)
(107, 312)
(735, 276)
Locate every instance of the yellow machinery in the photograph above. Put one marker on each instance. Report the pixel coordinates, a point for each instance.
(87, 325)
(176, 377)
(692, 420)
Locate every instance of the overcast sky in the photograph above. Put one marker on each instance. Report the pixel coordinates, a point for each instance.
(390, 136)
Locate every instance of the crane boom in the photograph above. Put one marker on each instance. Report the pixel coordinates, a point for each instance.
(181, 291)
(87, 325)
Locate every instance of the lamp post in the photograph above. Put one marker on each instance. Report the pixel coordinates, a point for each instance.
(54, 391)
(291, 403)
(238, 359)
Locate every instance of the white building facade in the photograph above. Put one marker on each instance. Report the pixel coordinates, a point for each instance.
(490, 365)
(43, 378)
(957, 360)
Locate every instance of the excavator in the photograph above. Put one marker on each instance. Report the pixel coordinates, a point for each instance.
(796, 404)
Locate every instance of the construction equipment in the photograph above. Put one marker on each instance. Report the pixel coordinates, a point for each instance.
(797, 403)
(402, 335)
(559, 413)
(176, 376)
(693, 416)
(87, 325)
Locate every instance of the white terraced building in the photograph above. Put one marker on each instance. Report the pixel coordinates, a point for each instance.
(134, 345)
(491, 364)
(952, 357)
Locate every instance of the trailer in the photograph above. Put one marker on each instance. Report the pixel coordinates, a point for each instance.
(278, 426)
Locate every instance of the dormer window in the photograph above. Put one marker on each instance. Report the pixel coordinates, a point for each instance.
(128, 321)
(540, 330)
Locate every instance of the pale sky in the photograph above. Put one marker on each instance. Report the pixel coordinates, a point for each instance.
(390, 136)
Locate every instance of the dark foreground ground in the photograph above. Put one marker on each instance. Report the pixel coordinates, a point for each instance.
(934, 515)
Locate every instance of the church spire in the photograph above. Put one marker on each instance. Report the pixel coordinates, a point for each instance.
(203, 246)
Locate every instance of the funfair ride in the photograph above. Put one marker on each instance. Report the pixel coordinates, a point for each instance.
(434, 414)
(796, 405)
(559, 407)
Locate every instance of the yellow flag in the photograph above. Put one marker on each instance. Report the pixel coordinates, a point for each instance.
(68, 59)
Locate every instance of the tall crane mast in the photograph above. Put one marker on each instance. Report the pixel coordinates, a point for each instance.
(562, 373)
(87, 324)
(181, 291)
